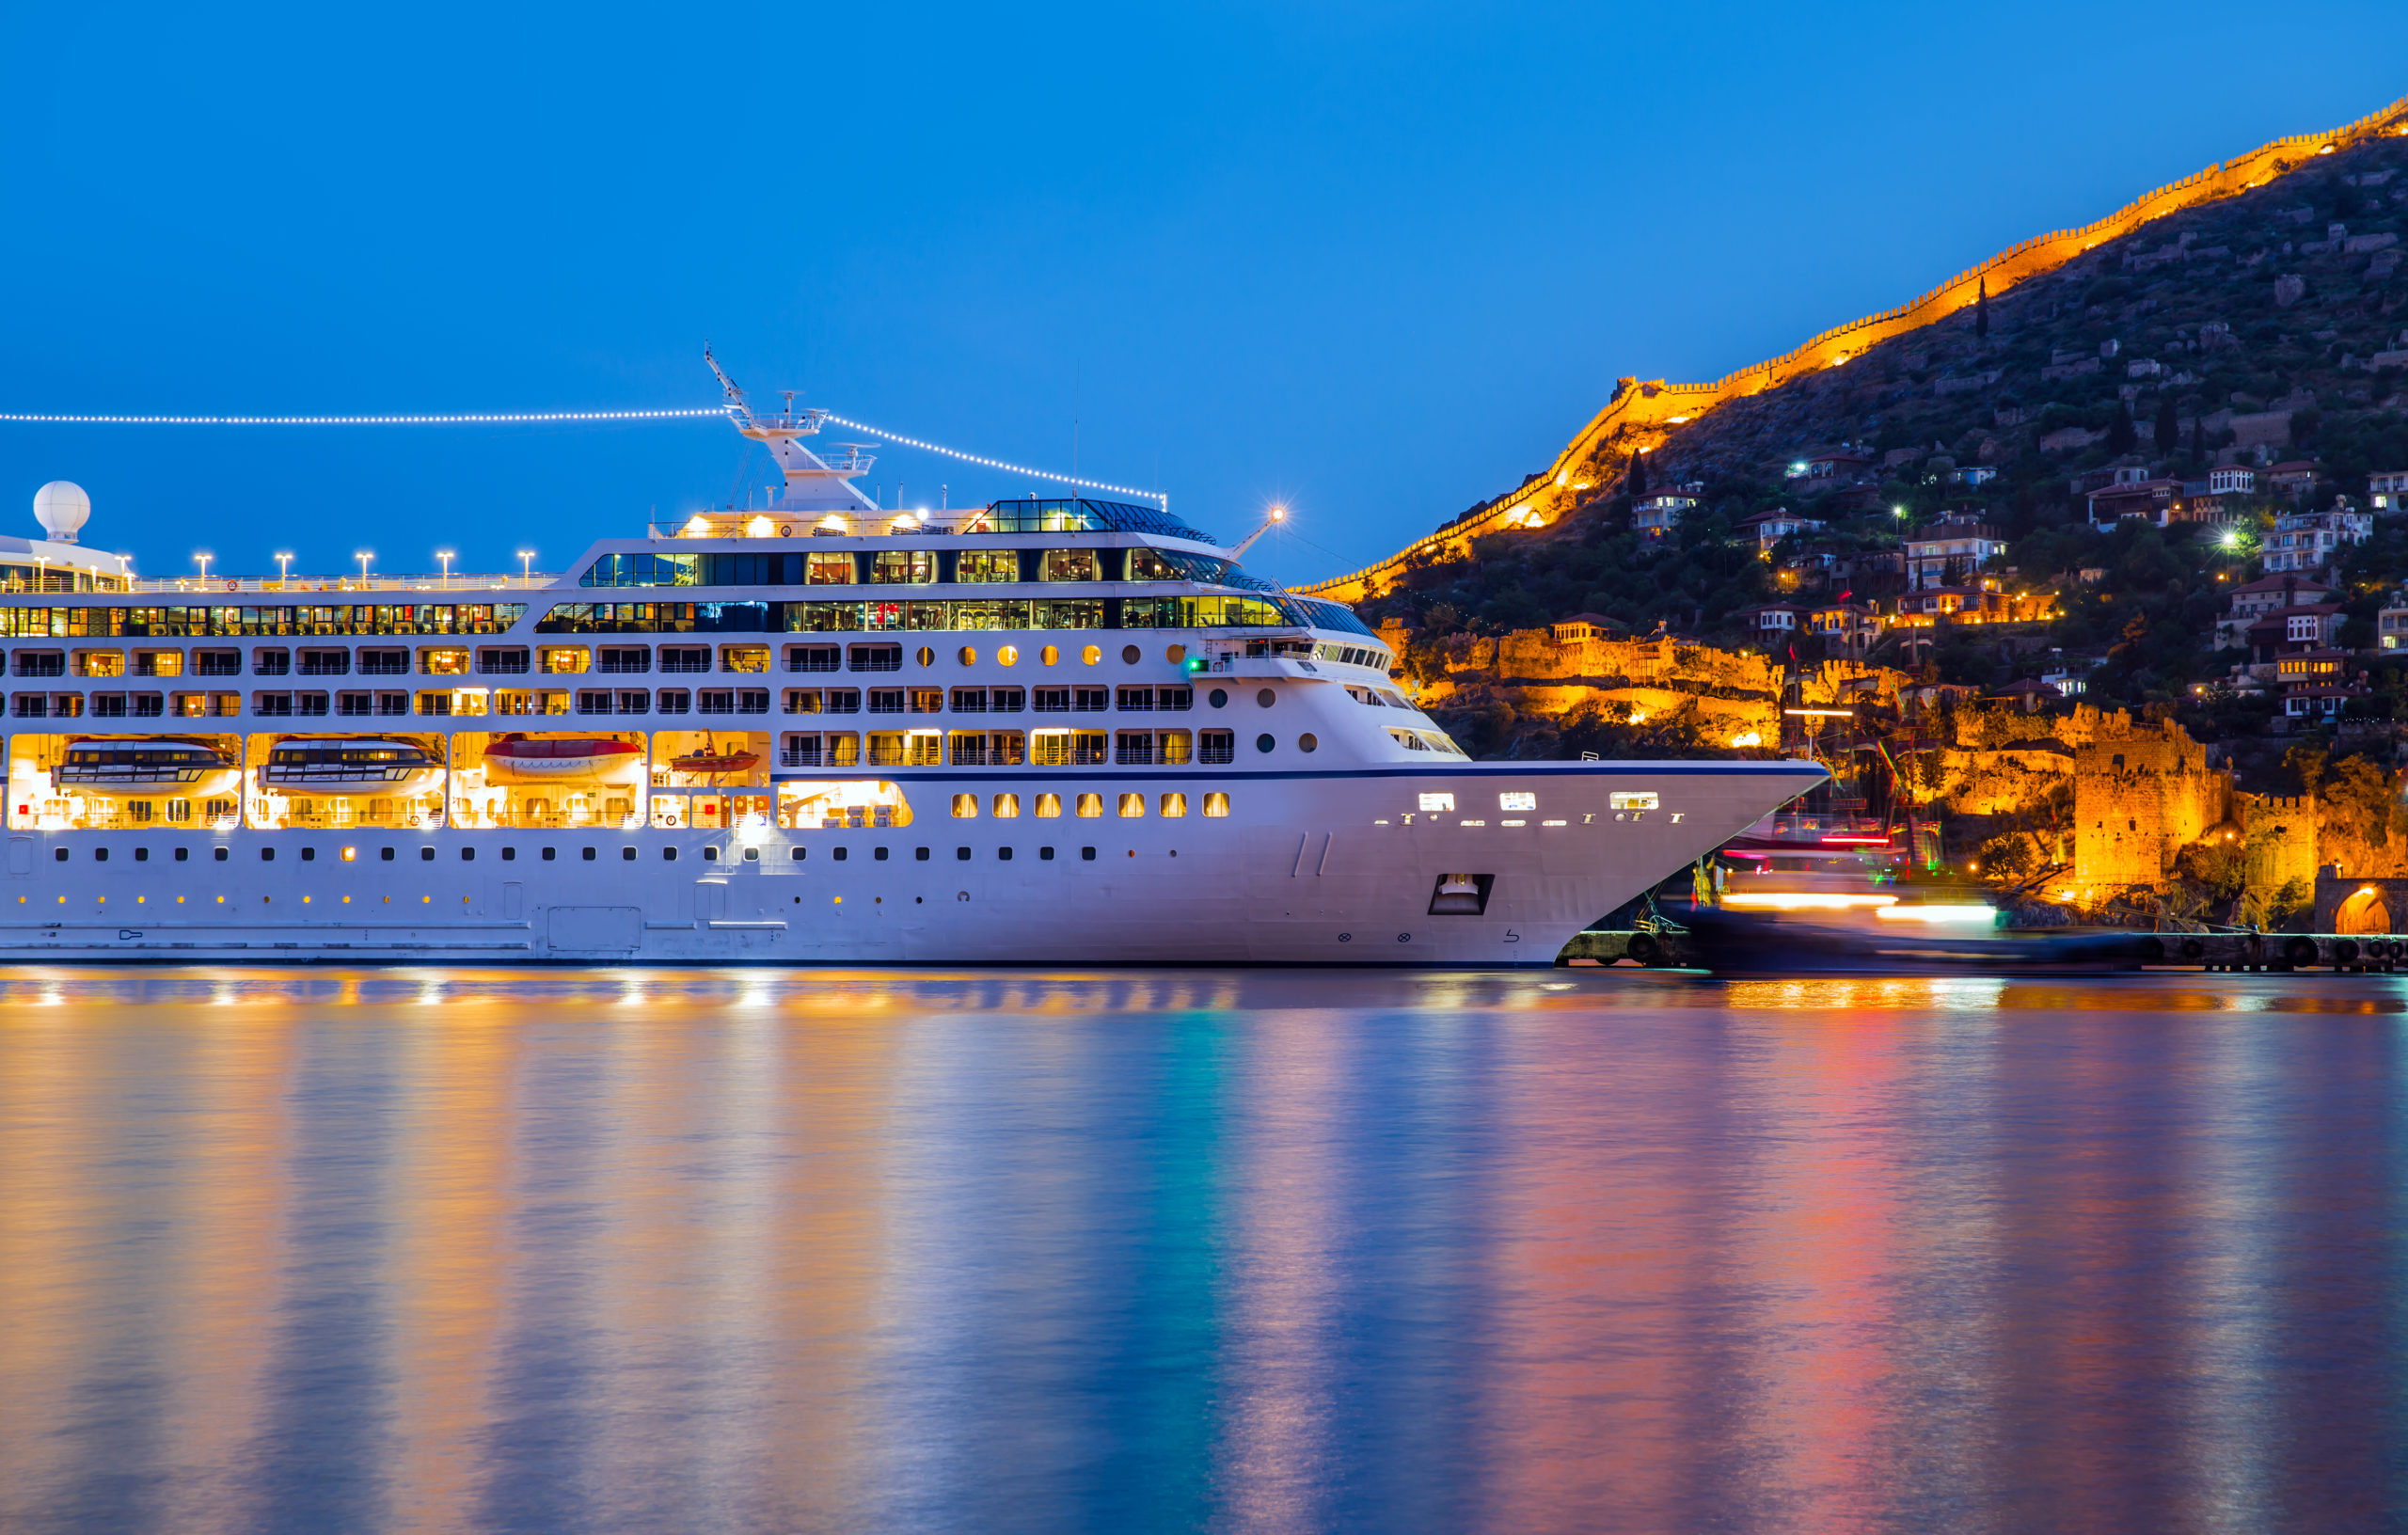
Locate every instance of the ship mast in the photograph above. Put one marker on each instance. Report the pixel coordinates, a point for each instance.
(814, 484)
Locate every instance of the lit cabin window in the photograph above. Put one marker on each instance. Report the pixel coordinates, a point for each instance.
(1437, 801)
(1217, 804)
(1517, 799)
(1048, 807)
(965, 807)
(1007, 807)
(903, 567)
(1173, 806)
(1070, 565)
(1132, 806)
(828, 570)
(1090, 806)
(1631, 800)
(1148, 566)
(979, 566)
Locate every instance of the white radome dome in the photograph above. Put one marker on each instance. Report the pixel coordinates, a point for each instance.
(62, 509)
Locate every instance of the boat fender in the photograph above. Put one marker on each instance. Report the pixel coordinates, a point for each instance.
(2345, 951)
(2300, 951)
(1643, 948)
(2192, 948)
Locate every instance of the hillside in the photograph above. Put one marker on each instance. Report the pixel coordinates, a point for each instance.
(2256, 327)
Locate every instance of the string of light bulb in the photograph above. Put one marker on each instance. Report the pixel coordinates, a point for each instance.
(490, 419)
(542, 416)
(902, 441)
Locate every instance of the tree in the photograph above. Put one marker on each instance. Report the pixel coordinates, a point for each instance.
(2122, 436)
(2198, 439)
(2169, 431)
(1635, 482)
(1982, 312)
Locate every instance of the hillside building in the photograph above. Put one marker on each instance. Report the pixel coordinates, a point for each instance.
(1950, 552)
(1779, 523)
(1653, 516)
(2387, 492)
(2309, 540)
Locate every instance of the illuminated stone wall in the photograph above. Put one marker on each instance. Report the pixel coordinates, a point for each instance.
(2138, 800)
(1641, 414)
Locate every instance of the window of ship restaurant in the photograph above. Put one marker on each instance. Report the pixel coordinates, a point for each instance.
(1070, 565)
(979, 566)
(903, 567)
(828, 570)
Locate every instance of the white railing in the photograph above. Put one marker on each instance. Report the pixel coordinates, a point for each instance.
(461, 585)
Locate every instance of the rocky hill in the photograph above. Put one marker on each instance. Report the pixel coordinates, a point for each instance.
(2259, 328)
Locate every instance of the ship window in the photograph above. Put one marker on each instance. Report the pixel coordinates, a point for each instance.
(1132, 806)
(508, 854)
(183, 855)
(878, 853)
(469, 855)
(426, 855)
(1048, 807)
(1090, 806)
(1147, 565)
(267, 855)
(1045, 854)
(1174, 806)
(1215, 745)
(60, 856)
(903, 567)
(1070, 565)
(1007, 807)
(1620, 800)
(978, 567)
(965, 806)
(828, 570)
(1087, 853)
(589, 855)
(218, 854)
(1218, 698)
(840, 854)
(796, 855)
(1217, 804)
(551, 853)
(1265, 742)
(960, 855)
(710, 854)
(384, 855)
(1308, 742)
(669, 855)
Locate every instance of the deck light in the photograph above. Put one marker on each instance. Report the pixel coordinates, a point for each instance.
(445, 555)
(758, 527)
(363, 556)
(525, 567)
(283, 568)
(697, 524)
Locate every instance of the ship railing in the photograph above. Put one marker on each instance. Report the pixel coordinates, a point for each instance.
(466, 585)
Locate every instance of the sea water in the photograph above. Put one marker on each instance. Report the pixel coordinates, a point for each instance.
(699, 1250)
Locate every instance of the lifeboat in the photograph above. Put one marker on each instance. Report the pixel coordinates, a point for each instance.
(714, 764)
(517, 759)
(141, 767)
(355, 766)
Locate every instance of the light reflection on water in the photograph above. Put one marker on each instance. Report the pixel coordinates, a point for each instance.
(413, 1250)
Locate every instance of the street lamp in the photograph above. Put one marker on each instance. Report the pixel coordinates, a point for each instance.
(204, 560)
(445, 555)
(283, 568)
(525, 567)
(363, 556)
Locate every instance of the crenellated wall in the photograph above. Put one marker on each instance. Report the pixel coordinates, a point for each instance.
(1641, 414)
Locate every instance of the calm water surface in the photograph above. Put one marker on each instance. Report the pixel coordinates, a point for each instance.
(401, 1250)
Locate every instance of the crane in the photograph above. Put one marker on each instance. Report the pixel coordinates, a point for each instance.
(1278, 514)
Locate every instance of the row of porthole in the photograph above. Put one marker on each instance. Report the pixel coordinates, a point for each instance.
(1051, 655)
(1131, 806)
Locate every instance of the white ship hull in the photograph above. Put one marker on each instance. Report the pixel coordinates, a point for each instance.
(1310, 867)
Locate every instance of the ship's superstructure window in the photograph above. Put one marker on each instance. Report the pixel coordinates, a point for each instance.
(830, 570)
(813, 658)
(18, 622)
(980, 566)
(685, 659)
(1216, 747)
(902, 567)
(875, 658)
(1070, 565)
(932, 615)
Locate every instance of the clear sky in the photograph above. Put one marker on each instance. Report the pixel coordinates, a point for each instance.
(1378, 260)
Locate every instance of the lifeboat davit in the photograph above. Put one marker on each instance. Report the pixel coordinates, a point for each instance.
(355, 766)
(716, 764)
(140, 769)
(520, 760)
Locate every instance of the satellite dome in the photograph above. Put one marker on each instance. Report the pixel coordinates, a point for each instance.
(62, 508)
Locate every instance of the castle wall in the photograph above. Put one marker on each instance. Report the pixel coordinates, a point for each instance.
(1641, 416)
(2138, 801)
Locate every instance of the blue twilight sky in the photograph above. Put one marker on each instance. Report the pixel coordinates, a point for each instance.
(1375, 260)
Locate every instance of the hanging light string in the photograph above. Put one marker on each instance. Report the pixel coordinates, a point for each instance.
(900, 440)
(510, 419)
(539, 417)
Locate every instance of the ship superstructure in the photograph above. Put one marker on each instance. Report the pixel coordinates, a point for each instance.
(808, 730)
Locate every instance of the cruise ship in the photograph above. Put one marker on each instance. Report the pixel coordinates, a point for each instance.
(803, 730)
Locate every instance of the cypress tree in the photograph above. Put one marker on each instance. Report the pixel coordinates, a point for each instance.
(1982, 312)
(2169, 431)
(1634, 483)
(2122, 436)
